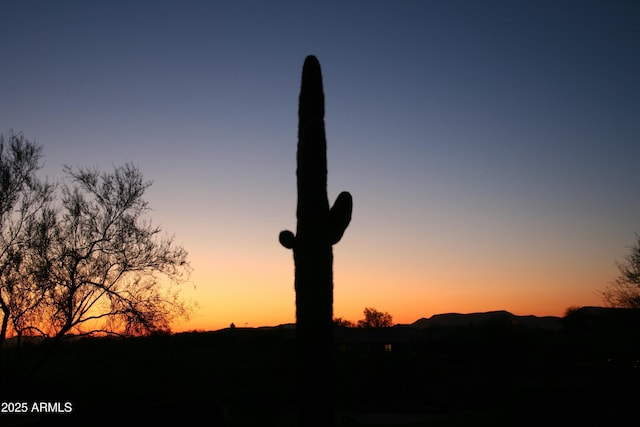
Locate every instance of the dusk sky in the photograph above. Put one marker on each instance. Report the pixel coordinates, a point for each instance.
(491, 147)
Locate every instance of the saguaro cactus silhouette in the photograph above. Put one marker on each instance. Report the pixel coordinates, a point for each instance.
(318, 229)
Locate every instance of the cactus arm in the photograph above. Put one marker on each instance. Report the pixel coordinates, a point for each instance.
(340, 216)
(287, 239)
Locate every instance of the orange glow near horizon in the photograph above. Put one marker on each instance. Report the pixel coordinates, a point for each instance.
(242, 275)
(247, 299)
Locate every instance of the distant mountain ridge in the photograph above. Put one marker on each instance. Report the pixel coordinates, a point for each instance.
(478, 318)
(551, 323)
(458, 320)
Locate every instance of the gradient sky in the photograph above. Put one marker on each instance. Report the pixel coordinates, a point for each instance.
(491, 147)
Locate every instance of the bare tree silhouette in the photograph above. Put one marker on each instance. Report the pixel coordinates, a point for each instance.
(103, 266)
(624, 291)
(25, 217)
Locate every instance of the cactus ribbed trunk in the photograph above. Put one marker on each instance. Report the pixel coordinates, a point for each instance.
(318, 228)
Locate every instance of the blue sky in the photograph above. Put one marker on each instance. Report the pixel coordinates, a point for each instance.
(491, 147)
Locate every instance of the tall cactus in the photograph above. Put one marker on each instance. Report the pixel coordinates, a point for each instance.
(318, 229)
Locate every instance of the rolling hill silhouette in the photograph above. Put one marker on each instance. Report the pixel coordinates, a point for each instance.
(457, 319)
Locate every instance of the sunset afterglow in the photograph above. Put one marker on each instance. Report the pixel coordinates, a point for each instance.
(490, 147)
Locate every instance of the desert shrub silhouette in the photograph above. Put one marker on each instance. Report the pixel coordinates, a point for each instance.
(318, 228)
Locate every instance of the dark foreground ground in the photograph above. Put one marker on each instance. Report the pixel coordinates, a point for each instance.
(495, 374)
